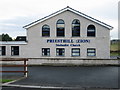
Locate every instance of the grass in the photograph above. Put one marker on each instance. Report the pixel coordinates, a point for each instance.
(113, 54)
(114, 48)
(5, 80)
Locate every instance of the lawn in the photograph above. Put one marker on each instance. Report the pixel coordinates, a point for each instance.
(115, 49)
(114, 54)
(5, 80)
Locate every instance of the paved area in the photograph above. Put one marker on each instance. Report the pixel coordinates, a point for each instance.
(103, 77)
(12, 77)
(114, 57)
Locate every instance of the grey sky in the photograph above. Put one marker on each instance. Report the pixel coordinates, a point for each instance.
(17, 13)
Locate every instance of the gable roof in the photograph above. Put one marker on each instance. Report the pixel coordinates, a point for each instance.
(72, 10)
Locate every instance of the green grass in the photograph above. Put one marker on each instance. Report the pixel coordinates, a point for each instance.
(5, 80)
(113, 54)
(114, 47)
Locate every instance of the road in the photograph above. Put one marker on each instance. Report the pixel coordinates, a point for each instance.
(103, 77)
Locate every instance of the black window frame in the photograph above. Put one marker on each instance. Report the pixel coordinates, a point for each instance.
(45, 31)
(15, 52)
(2, 50)
(47, 53)
(75, 52)
(91, 52)
(60, 31)
(58, 52)
(91, 32)
(75, 29)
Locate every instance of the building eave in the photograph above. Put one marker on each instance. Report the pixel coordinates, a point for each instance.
(13, 43)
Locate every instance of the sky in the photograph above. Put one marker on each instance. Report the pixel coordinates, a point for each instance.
(17, 13)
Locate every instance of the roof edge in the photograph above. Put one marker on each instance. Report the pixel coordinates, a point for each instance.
(72, 10)
(13, 42)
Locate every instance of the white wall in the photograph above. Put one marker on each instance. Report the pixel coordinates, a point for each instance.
(36, 42)
(22, 51)
(100, 42)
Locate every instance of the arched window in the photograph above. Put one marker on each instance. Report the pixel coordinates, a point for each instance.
(45, 31)
(75, 28)
(91, 31)
(60, 28)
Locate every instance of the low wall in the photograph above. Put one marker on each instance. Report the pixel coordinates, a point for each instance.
(67, 61)
(72, 62)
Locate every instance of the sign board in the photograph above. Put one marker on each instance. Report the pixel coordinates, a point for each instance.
(68, 42)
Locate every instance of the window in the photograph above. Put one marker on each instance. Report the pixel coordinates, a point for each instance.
(91, 52)
(60, 28)
(45, 51)
(75, 28)
(60, 52)
(45, 31)
(2, 50)
(14, 50)
(75, 51)
(91, 31)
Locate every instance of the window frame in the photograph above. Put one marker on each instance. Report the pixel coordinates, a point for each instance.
(75, 52)
(73, 31)
(48, 52)
(91, 52)
(14, 51)
(2, 51)
(57, 28)
(43, 31)
(57, 52)
(91, 31)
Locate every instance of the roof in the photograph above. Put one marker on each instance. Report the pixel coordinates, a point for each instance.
(13, 42)
(72, 10)
(20, 38)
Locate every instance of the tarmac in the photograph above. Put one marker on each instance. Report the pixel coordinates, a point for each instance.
(67, 78)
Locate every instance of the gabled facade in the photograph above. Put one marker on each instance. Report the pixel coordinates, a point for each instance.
(67, 33)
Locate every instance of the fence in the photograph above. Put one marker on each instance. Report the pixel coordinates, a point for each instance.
(25, 71)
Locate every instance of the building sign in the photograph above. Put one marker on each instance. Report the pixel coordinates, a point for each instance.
(68, 42)
(72, 45)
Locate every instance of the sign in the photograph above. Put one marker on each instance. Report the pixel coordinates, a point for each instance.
(68, 42)
(72, 45)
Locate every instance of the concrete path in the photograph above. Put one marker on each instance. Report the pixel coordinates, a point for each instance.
(100, 77)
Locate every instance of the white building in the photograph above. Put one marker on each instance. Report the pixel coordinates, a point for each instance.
(66, 33)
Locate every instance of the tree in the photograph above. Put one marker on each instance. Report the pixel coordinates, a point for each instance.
(5, 37)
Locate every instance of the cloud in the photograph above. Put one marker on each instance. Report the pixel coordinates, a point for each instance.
(17, 13)
(114, 32)
(8, 24)
(13, 8)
